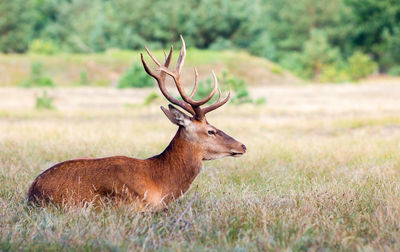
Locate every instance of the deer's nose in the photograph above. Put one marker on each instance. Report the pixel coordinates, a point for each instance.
(244, 147)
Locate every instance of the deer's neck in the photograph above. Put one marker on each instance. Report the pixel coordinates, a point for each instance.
(177, 166)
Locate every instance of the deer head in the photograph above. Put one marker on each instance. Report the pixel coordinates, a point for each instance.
(212, 142)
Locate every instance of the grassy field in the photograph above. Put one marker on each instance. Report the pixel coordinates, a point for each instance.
(322, 171)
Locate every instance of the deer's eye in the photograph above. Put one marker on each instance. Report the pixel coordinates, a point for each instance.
(211, 132)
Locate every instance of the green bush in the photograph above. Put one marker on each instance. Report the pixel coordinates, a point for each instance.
(135, 77)
(204, 89)
(43, 47)
(16, 25)
(360, 66)
(240, 93)
(150, 98)
(36, 78)
(276, 69)
(241, 96)
(394, 71)
(226, 81)
(44, 101)
(83, 78)
(260, 101)
(332, 73)
(318, 53)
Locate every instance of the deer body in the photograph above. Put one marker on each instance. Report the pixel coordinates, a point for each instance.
(155, 181)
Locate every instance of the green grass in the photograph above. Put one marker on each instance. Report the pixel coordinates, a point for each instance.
(323, 179)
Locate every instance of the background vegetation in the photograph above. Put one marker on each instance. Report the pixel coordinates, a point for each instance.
(314, 39)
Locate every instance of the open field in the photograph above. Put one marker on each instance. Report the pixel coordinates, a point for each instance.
(322, 171)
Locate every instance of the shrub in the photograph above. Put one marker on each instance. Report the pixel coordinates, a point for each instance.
(360, 66)
(276, 69)
(238, 86)
(36, 78)
(220, 44)
(240, 93)
(44, 101)
(260, 101)
(16, 25)
(135, 77)
(150, 98)
(316, 54)
(394, 71)
(332, 73)
(205, 87)
(83, 78)
(43, 47)
(241, 96)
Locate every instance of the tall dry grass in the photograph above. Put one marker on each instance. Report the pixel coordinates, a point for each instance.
(322, 172)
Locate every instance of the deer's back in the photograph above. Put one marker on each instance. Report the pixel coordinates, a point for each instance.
(91, 179)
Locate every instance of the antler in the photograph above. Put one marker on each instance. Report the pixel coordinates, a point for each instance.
(189, 104)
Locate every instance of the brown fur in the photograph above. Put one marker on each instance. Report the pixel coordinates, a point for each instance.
(155, 181)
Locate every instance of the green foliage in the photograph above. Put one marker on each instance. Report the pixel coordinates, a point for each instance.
(360, 66)
(204, 89)
(291, 25)
(135, 77)
(241, 96)
(394, 71)
(276, 69)
(332, 73)
(153, 96)
(228, 82)
(260, 101)
(376, 29)
(83, 78)
(314, 39)
(239, 87)
(37, 78)
(391, 48)
(44, 101)
(43, 47)
(263, 46)
(16, 19)
(317, 55)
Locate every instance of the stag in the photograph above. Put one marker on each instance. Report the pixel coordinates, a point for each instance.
(153, 182)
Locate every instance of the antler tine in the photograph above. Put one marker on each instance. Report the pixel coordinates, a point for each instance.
(152, 57)
(219, 95)
(161, 83)
(168, 58)
(217, 104)
(215, 88)
(187, 99)
(189, 104)
(182, 56)
(196, 83)
(147, 69)
(166, 63)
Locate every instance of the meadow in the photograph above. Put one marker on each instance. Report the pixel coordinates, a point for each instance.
(321, 172)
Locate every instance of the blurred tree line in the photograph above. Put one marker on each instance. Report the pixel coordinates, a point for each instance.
(322, 39)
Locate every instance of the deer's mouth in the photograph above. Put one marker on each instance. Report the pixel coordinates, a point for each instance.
(236, 154)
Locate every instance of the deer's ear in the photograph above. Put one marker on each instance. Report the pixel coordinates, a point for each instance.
(176, 116)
